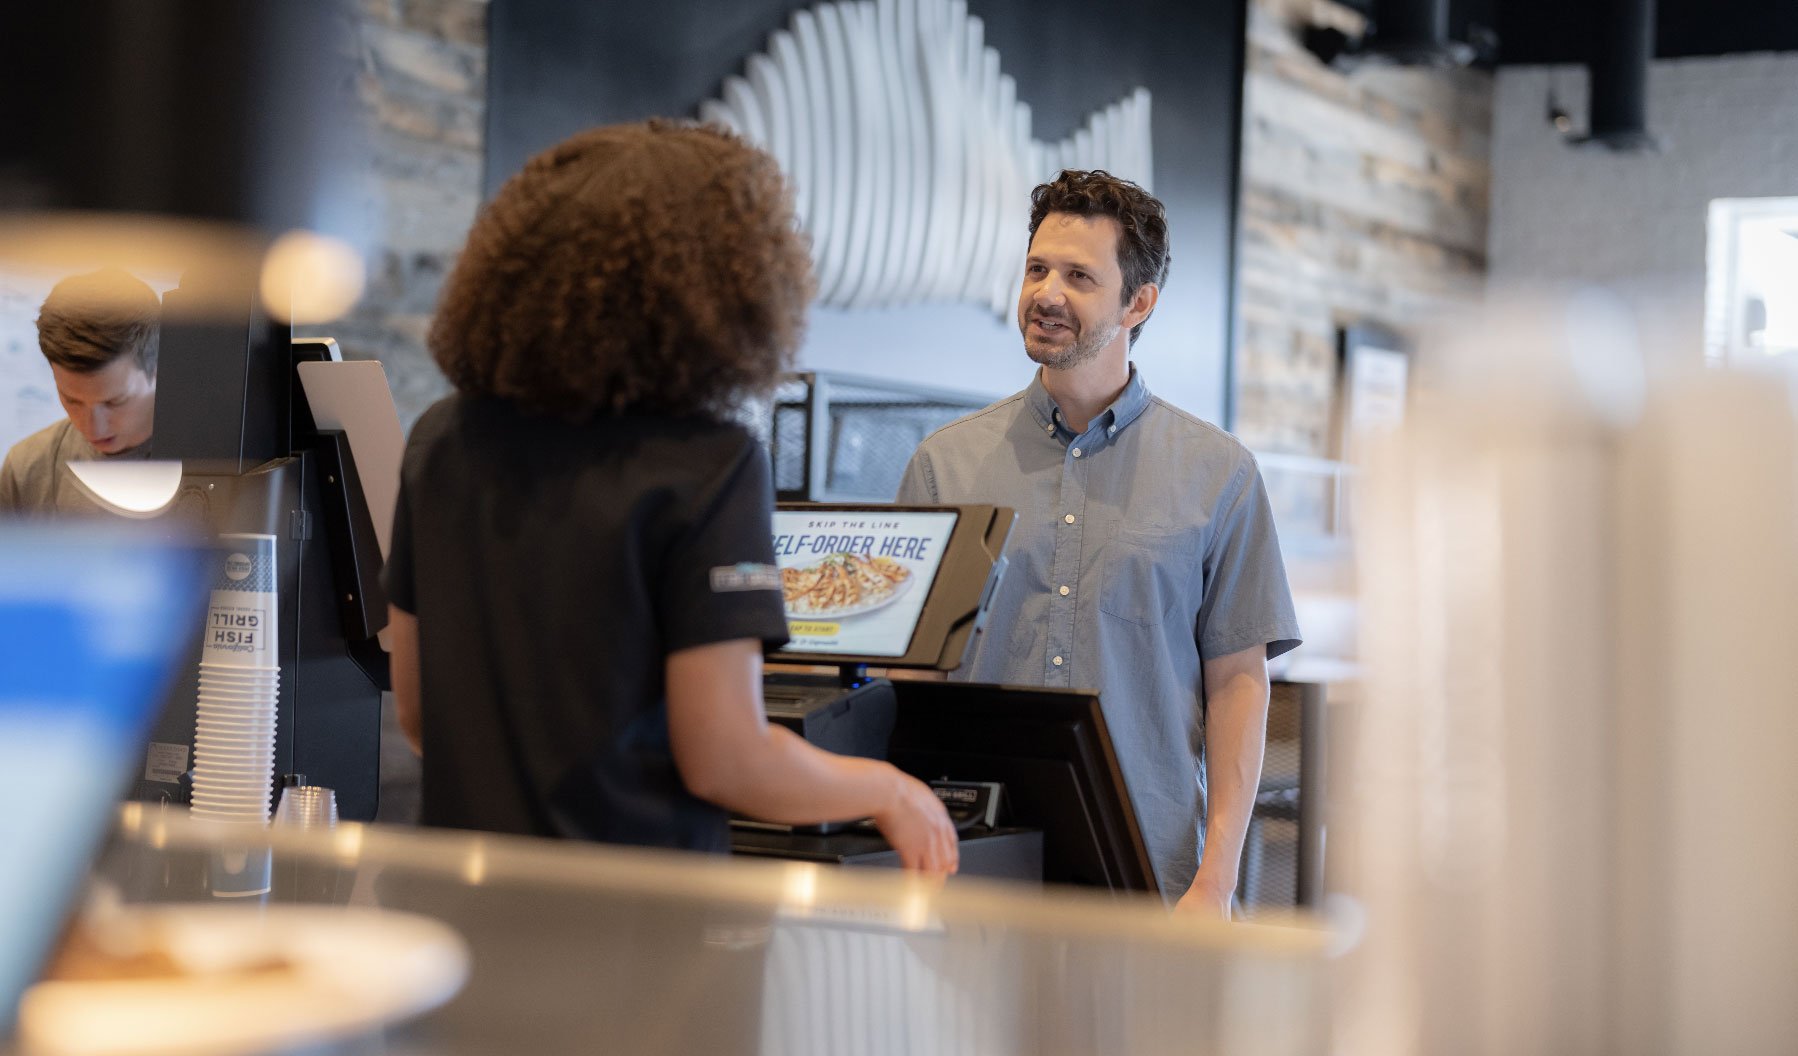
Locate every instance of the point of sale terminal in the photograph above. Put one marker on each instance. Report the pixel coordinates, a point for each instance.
(1029, 774)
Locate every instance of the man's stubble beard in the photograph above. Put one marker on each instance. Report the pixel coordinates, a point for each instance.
(1084, 350)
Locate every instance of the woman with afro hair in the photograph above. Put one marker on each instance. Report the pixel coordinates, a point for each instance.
(582, 576)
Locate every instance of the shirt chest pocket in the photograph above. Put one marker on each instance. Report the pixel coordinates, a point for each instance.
(1150, 575)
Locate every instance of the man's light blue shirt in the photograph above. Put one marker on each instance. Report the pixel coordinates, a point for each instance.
(1144, 546)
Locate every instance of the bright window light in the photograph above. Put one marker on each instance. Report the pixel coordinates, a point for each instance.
(1751, 280)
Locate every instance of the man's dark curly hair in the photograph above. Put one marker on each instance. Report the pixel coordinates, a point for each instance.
(91, 321)
(649, 267)
(1142, 240)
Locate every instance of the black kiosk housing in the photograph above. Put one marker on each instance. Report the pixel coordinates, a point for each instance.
(230, 407)
(1029, 774)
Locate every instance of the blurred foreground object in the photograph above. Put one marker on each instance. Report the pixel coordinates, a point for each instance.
(656, 952)
(1572, 796)
(159, 137)
(225, 980)
(92, 624)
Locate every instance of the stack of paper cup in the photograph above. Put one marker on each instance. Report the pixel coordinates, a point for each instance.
(234, 725)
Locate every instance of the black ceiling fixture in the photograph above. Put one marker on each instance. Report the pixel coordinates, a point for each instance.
(1617, 115)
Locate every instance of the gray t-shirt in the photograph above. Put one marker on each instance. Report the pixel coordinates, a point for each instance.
(1143, 546)
(35, 480)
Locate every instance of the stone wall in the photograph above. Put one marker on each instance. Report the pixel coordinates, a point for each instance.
(1364, 199)
(419, 94)
(421, 88)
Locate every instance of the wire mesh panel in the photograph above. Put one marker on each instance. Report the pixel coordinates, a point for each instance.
(787, 451)
(1282, 856)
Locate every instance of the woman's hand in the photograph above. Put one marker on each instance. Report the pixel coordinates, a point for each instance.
(918, 826)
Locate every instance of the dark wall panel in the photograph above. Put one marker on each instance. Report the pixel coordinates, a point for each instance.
(557, 66)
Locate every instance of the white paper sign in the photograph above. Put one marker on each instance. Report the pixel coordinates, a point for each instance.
(165, 762)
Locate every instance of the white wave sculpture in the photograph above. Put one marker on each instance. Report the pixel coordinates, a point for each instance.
(910, 154)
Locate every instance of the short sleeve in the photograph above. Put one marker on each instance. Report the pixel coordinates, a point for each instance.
(397, 573)
(719, 581)
(918, 486)
(1247, 601)
(12, 499)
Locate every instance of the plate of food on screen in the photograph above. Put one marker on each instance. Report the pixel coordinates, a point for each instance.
(843, 584)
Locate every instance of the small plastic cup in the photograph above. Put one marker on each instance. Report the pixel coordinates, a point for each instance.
(307, 807)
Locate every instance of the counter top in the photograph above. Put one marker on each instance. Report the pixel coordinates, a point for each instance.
(584, 948)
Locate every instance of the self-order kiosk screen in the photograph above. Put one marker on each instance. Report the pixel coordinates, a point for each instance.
(855, 582)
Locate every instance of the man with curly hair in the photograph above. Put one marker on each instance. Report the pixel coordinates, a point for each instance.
(1144, 562)
(582, 572)
(100, 332)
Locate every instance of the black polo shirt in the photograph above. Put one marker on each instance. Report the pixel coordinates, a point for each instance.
(553, 567)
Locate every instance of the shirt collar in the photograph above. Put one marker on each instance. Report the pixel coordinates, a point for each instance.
(1125, 409)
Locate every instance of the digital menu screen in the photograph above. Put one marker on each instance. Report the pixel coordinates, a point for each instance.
(855, 582)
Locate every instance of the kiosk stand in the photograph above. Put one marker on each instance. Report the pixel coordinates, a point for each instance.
(278, 438)
(1029, 775)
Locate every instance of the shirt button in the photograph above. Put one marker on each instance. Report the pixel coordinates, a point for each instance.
(1064, 591)
(1056, 661)
(1076, 452)
(1069, 518)
(1113, 431)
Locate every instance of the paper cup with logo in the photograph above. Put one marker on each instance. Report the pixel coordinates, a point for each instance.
(234, 722)
(246, 694)
(259, 692)
(241, 727)
(240, 675)
(239, 672)
(246, 749)
(214, 681)
(238, 696)
(240, 621)
(240, 713)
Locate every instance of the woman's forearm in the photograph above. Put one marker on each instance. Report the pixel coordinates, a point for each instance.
(779, 777)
